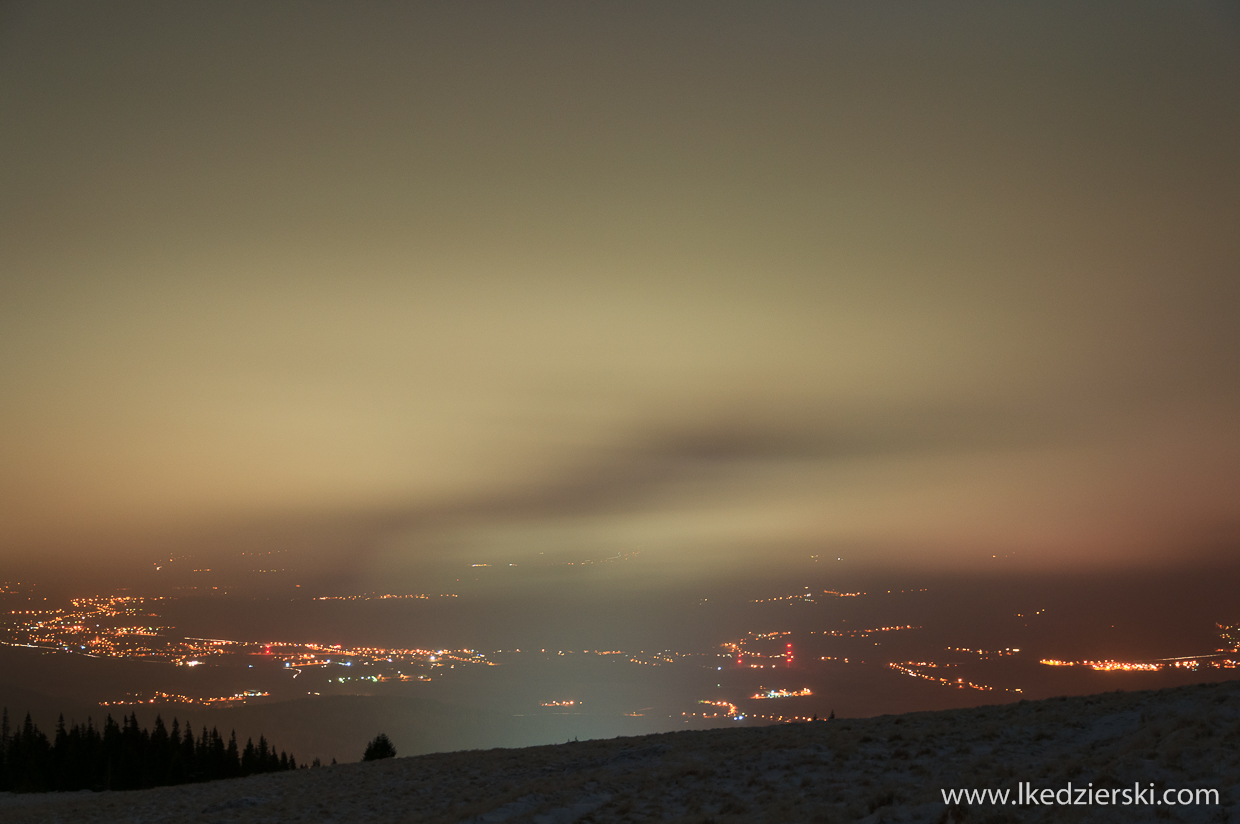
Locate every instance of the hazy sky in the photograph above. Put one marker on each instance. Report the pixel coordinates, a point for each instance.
(917, 283)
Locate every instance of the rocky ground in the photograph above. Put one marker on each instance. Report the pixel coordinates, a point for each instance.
(890, 768)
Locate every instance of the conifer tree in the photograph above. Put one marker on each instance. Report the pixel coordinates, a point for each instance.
(123, 756)
(380, 747)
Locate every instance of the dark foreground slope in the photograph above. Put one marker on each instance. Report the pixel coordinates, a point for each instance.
(890, 768)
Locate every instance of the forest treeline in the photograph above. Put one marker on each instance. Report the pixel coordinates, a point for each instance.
(125, 756)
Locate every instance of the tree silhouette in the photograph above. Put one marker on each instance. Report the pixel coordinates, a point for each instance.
(381, 747)
(124, 756)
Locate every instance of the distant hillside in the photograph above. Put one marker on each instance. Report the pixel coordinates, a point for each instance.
(890, 768)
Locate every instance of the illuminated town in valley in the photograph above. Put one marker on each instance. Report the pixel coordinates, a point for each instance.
(812, 654)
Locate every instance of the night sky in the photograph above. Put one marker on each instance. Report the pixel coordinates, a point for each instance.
(924, 288)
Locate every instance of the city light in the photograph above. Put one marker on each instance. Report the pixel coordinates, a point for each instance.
(129, 627)
(913, 669)
(782, 693)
